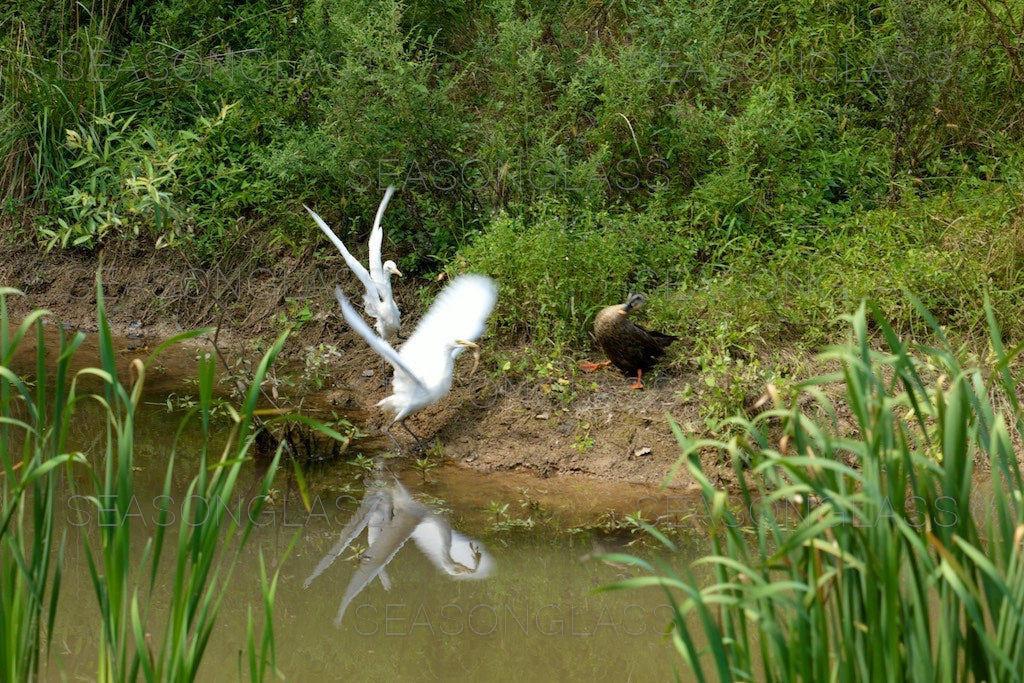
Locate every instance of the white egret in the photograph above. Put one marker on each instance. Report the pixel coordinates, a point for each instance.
(425, 363)
(378, 301)
(398, 517)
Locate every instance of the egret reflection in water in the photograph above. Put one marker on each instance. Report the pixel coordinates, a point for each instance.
(391, 517)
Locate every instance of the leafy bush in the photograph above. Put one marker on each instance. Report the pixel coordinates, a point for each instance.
(557, 272)
(121, 181)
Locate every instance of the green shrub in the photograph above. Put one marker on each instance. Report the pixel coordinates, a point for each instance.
(556, 273)
(118, 181)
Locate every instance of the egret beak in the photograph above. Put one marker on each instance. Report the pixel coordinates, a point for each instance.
(398, 272)
(476, 353)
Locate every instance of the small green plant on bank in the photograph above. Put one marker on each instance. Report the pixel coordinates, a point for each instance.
(727, 383)
(436, 450)
(355, 552)
(612, 522)
(127, 565)
(297, 313)
(895, 566)
(318, 361)
(176, 402)
(508, 524)
(582, 442)
(555, 380)
(530, 504)
(498, 509)
(363, 465)
(241, 373)
(502, 521)
(345, 427)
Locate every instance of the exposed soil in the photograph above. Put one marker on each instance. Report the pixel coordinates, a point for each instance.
(602, 428)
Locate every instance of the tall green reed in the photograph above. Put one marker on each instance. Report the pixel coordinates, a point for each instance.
(31, 550)
(143, 632)
(895, 566)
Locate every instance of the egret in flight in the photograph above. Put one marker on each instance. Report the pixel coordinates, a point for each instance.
(426, 362)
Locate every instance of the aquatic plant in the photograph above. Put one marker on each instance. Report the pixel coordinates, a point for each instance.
(31, 553)
(890, 569)
(140, 634)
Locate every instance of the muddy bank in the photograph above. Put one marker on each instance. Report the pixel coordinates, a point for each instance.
(589, 425)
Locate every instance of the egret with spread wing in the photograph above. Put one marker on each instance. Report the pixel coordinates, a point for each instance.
(425, 363)
(378, 301)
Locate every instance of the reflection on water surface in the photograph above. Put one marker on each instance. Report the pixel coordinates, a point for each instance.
(391, 517)
(532, 615)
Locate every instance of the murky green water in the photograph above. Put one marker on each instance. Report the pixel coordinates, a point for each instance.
(535, 617)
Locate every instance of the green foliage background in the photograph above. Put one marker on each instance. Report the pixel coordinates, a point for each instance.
(756, 167)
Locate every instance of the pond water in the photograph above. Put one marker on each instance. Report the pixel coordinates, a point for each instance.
(534, 616)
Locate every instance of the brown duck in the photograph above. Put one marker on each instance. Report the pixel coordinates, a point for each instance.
(628, 346)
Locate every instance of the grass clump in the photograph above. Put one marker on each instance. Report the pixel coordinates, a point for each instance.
(865, 555)
(140, 634)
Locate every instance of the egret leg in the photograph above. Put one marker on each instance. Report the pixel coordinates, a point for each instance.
(420, 445)
(590, 366)
(384, 373)
(398, 446)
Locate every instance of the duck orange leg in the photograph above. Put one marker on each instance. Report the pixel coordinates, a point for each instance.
(638, 384)
(590, 366)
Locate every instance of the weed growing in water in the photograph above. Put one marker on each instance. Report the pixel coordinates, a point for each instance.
(124, 567)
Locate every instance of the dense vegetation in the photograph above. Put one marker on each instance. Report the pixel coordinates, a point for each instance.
(879, 557)
(755, 167)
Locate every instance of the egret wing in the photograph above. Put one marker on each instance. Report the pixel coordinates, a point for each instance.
(460, 311)
(353, 263)
(355, 525)
(377, 238)
(376, 343)
(378, 555)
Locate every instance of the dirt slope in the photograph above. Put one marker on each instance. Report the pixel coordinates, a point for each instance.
(489, 423)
